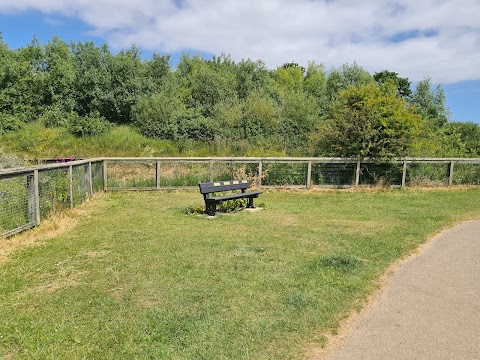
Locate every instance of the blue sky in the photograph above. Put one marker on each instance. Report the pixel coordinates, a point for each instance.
(429, 38)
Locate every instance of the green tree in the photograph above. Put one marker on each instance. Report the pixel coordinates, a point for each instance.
(204, 84)
(340, 79)
(28, 75)
(431, 104)
(156, 115)
(366, 122)
(299, 116)
(389, 77)
(260, 117)
(93, 79)
(289, 77)
(469, 135)
(354, 75)
(60, 75)
(253, 76)
(157, 69)
(126, 74)
(315, 82)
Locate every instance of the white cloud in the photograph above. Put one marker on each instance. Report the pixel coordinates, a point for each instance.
(277, 31)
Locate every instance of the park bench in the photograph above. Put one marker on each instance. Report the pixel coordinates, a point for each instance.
(211, 201)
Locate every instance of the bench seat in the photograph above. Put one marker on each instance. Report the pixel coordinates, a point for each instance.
(234, 196)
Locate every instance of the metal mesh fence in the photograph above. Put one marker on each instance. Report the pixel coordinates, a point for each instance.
(65, 186)
(427, 174)
(54, 191)
(23, 203)
(333, 174)
(284, 174)
(381, 174)
(227, 170)
(183, 174)
(16, 211)
(131, 175)
(466, 174)
(97, 176)
(80, 184)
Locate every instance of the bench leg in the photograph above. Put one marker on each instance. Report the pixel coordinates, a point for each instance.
(250, 203)
(210, 209)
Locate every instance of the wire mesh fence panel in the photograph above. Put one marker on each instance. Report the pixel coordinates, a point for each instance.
(235, 170)
(181, 174)
(381, 174)
(54, 190)
(97, 176)
(333, 174)
(15, 209)
(79, 183)
(131, 175)
(466, 174)
(284, 174)
(427, 174)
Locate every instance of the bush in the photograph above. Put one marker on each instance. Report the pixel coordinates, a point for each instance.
(156, 116)
(54, 116)
(9, 123)
(89, 125)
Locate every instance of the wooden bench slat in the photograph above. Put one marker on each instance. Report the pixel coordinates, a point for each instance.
(234, 196)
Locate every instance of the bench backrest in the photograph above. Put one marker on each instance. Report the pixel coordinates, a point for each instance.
(210, 187)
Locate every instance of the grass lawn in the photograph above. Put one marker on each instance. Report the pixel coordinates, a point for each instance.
(137, 278)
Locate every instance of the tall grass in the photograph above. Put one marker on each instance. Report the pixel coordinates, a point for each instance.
(36, 141)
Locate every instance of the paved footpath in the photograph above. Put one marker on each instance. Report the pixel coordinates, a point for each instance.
(430, 308)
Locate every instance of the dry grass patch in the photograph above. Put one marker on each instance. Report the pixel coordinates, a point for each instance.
(56, 225)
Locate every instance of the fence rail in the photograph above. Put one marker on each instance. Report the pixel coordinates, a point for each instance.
(30, 194)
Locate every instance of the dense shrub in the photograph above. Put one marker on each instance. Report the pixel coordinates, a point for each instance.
(9, 123)
(89, 125)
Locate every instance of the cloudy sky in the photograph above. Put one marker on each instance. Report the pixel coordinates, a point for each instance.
(417, 38)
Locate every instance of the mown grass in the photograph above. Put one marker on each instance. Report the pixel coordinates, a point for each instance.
(137, 278)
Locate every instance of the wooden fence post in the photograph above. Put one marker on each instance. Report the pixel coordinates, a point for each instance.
(157, 175)
(260, 173)
(104, 175)
(33, 199)
(70, 185)
(309, 175)
(90, 179)
(211, 171)
(357, 173)
(37, 197)
(450, 173)
(404, 173)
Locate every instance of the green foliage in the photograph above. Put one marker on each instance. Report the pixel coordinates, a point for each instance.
(259, 117)
(234, 205)
(315, 84)
(391, 78)
(88, 125)
(55, 116)
(213, 104)
(92, 77)
(9, 123)
(289, 77)
(299, 115)
(431, 104)
(157, 115)
(365, 122)
(467, 135)
(60, 75)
